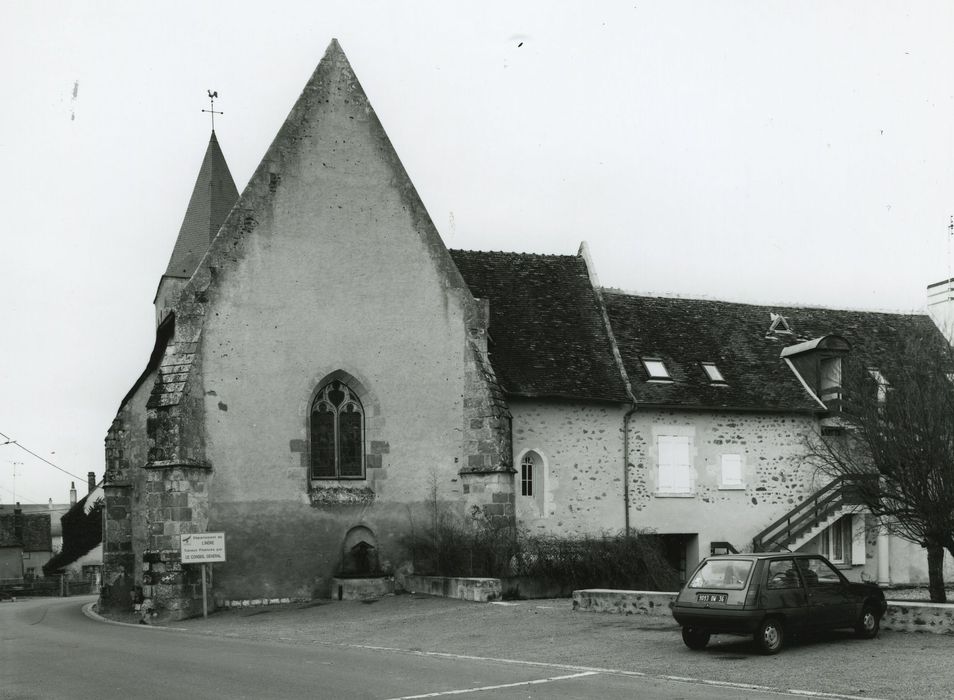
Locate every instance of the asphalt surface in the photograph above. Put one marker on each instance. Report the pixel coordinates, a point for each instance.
(412, 646)
(50, 650)
(894, 665)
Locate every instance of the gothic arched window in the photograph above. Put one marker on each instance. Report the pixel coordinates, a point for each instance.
(337, 434)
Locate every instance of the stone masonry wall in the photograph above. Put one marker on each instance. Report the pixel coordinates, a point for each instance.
(581, 446)
(126, 448)
(775, 474)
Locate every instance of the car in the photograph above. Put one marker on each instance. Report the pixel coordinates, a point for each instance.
(773, 595)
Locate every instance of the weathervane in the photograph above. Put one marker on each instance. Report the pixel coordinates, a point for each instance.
(211, 109)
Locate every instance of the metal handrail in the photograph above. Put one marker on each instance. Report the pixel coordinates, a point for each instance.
(812, 509)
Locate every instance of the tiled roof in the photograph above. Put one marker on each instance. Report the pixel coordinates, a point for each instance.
(212, 199)
(54, 512)
(31, 531)
(684, 333)
(548, 336)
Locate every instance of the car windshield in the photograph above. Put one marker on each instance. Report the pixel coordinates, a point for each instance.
(729, 574)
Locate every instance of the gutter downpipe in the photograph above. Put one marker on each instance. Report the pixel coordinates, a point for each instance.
(584, 254)
(626, 418)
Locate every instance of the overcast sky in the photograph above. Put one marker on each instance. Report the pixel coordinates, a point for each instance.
(772, 152)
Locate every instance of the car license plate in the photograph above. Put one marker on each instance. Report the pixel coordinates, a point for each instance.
(710, 597)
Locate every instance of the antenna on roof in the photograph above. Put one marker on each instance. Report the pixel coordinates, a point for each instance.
(211, 110)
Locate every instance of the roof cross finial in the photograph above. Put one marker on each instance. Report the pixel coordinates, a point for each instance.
(211, 109)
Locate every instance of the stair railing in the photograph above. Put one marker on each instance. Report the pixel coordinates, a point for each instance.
(802, 517)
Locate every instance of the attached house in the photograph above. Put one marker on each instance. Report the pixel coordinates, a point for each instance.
(26, 543)
(324, 367)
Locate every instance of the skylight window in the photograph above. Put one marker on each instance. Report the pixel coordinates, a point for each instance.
(715, 376)
(656, 369)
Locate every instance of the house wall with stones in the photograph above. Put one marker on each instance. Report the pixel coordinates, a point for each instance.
(775, 475)
(580, 445)
(124, 529)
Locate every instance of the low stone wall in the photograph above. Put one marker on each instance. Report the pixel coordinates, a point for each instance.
(902, 616)
(361, 588)
(481, 590)
(605, 600)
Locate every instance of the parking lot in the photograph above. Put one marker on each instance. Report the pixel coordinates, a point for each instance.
(895, 665)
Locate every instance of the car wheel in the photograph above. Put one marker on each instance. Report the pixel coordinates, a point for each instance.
(868, 624)
(769, 636)
(695, 638)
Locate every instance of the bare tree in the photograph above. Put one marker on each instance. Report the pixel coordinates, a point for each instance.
(896, 446)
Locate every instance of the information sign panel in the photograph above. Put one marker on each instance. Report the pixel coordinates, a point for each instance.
(202, 547)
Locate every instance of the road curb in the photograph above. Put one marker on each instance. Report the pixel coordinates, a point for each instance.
(93, 615)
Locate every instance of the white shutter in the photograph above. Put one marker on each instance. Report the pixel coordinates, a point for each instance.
(675, 468)
(732, 470)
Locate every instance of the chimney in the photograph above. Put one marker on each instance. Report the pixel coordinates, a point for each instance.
(72, 493)
(49, 504)
(940, 305)
(90, 481)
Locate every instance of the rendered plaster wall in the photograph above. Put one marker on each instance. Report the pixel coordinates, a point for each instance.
(287, 549)
(329, 267)
(581, 450)
(908, 563)
(775, 475)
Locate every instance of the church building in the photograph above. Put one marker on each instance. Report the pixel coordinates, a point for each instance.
(324, 367)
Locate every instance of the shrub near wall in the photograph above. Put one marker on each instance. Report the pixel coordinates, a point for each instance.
(533, 566)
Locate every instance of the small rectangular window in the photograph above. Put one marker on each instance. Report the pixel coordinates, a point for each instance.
(656, 369)
(732, 472)
(715, 376)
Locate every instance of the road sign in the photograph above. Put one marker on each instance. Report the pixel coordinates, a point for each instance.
(202, 547)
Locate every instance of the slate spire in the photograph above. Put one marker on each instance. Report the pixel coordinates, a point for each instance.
(213, 197)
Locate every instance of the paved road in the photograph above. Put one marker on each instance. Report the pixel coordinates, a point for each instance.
(50, 650)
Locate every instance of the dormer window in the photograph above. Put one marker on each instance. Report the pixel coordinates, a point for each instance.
(656, 369)
(713, 373)
(817, 363)
(830, 379)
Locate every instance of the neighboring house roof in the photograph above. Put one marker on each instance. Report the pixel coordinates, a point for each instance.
(52, 510)
(212, 199)
(31, 531)
(82, 530)
(684, 333)
(548, 337)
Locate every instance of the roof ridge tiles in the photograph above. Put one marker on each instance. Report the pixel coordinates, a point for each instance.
(767, 305)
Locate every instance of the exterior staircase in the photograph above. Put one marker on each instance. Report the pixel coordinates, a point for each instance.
(809, 518)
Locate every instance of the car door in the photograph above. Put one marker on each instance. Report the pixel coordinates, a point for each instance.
(784, 592)
(829, 603)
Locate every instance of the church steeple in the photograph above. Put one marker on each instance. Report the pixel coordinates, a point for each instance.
(213, 197)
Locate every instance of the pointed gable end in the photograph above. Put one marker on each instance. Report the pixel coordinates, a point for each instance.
(330, 146)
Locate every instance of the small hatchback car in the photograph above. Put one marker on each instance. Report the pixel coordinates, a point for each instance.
(771, 595)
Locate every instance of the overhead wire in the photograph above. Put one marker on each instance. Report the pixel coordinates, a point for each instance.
(11, 441)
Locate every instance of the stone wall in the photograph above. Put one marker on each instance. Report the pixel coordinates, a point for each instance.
(580, 446)
(604, 600)
(775, 474)
(480, 590)
(901, 616)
